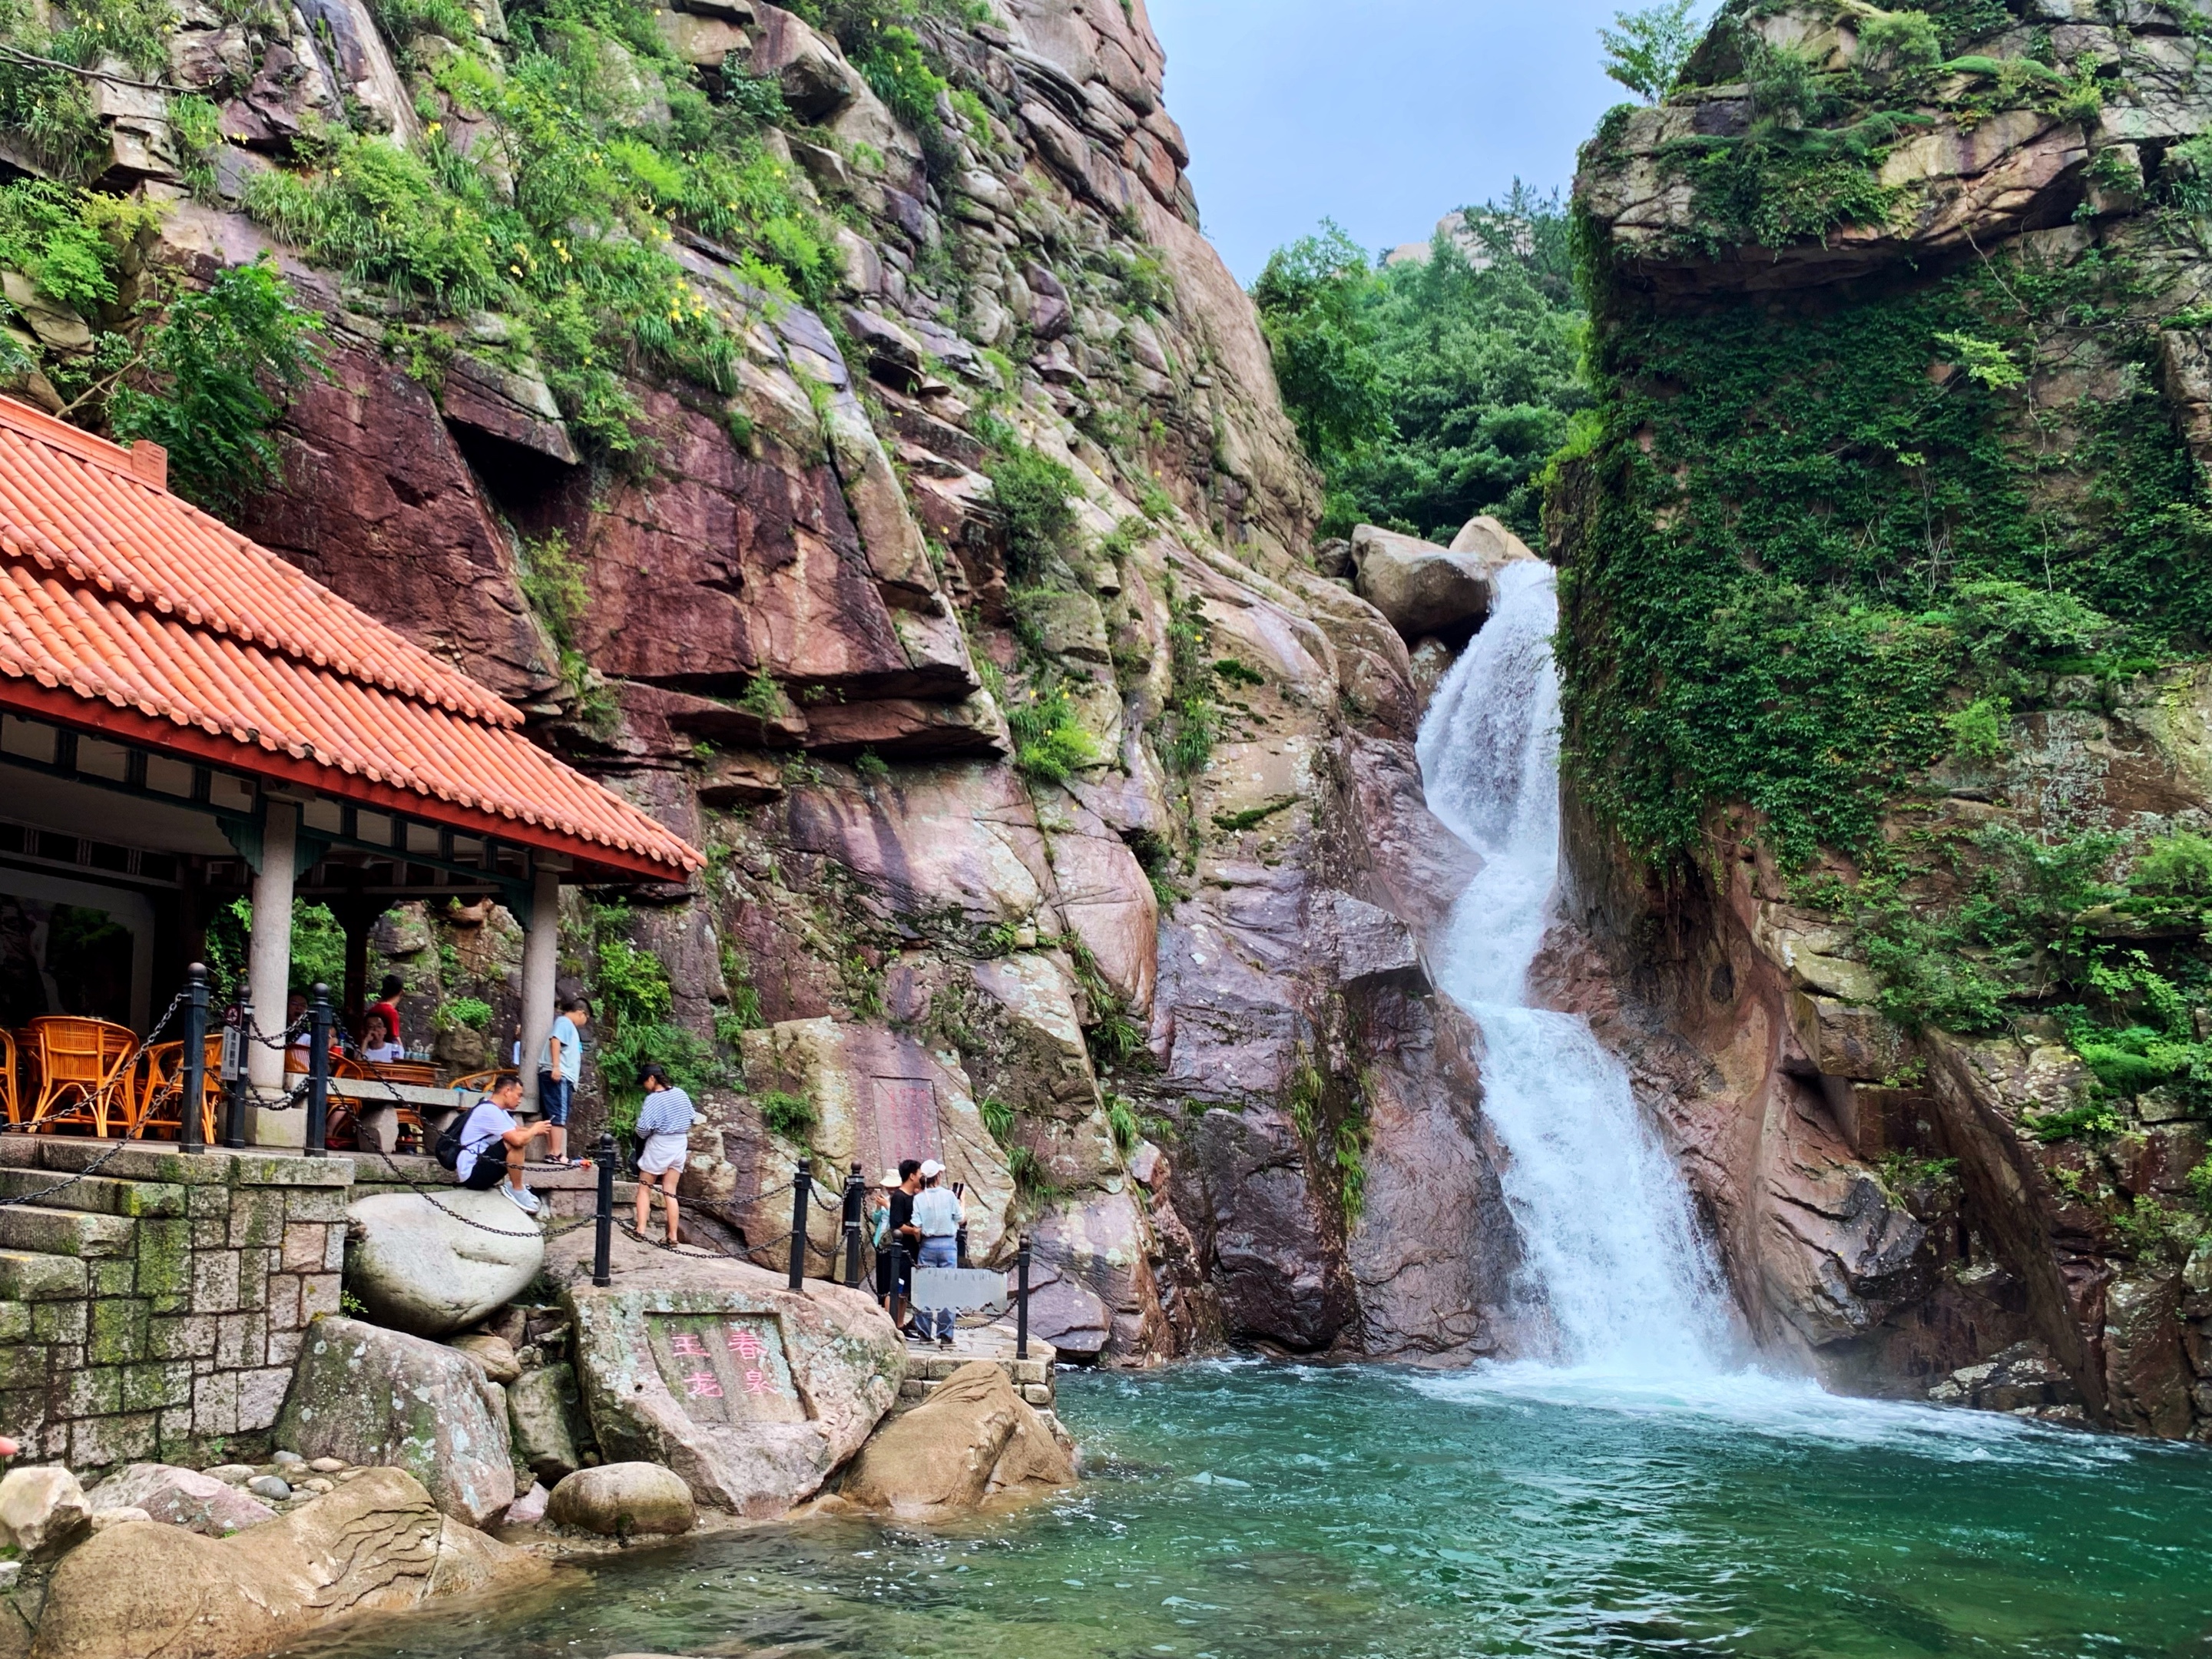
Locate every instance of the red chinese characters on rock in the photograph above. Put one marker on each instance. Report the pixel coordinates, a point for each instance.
(689, 1345)
(702, 1385)
(749, 1347)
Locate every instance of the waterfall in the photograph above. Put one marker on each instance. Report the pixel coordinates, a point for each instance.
(1613, 1266)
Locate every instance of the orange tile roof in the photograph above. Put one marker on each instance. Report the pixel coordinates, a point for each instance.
(114, 590)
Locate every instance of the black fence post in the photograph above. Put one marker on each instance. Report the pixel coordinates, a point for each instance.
(319, 1072)
(899, 1286)
(603, 1244)
(234, 1134)
(800, 1186)
(1022, 1301)
(855, 1191)
(189, 1135)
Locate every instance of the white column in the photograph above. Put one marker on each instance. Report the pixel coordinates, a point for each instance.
(541, 965)
(269, 969)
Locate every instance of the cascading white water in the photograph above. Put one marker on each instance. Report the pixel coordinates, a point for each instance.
(1613, 1259)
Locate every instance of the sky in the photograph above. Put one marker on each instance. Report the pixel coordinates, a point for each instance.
(1383, 115)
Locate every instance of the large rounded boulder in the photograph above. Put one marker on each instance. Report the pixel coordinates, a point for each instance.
(377, 1545)
(624, 1500)
(431, 1268)
(973, 1439)
(367, 1395)
(1421, 589)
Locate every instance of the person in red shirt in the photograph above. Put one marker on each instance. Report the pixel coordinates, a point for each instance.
(387, 1006)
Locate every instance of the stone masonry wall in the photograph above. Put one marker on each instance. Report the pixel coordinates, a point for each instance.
(154, 1310)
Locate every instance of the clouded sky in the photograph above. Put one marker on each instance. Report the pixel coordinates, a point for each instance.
(1382, 114)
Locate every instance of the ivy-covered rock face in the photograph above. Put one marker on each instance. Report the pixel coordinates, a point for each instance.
(1888, 570)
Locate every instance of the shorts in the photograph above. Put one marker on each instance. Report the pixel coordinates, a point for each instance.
(663, 1153)
(491, 1169)
(553, 1098)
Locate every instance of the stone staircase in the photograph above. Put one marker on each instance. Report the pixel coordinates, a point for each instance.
(153, 1310)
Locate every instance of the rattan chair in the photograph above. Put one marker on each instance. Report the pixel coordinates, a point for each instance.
(80, 1065)
(11, 1089)
(157, 1088)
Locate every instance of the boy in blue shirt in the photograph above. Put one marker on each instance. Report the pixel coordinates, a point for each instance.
(560, 1063)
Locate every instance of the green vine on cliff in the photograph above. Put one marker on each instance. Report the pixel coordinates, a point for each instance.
(1803, 541)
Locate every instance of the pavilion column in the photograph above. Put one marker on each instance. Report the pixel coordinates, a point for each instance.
(358, 916)
(269, 968)
(541, 963)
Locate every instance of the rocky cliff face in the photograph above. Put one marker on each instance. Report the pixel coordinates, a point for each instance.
(1085, 839)
(1885, 585)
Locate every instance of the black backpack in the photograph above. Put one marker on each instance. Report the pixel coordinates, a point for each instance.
(447, 1152)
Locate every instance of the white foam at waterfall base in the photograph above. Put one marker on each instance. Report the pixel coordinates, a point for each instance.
(1614, 1270)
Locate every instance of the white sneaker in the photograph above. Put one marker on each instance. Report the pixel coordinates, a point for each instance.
(522, 1197)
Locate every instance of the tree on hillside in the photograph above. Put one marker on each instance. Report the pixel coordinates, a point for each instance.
(1430, 391)
(1311, 298)
(1645, 50)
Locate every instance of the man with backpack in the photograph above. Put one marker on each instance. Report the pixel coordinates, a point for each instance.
(486, 1147)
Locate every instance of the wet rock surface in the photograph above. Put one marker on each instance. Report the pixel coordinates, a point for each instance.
(974, 1438)
(377, 1545)
(375, 1397)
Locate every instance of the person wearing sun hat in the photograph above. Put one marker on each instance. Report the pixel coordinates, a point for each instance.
(898, 1234)
(879, 1223)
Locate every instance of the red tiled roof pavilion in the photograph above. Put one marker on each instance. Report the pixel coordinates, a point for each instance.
(126, 612)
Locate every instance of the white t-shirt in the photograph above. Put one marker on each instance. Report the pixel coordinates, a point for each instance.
(486, 1124)
(383, 1054)
(936, 1212)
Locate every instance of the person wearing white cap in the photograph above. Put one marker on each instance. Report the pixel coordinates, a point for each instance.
(937, 1218)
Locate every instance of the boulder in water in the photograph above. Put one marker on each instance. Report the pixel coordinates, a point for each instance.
(972, 1438)
(624, 1500)
(377, 1544)
(435, 1268)
(751, 1393)
(369, 1395)
(1490, 541)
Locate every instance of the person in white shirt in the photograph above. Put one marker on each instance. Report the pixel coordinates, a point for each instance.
(937, 1217)
(664, 1124)
(381, 1048)
(495, 1148)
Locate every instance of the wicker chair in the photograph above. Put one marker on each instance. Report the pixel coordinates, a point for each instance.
(11, 1088)
(156, 1093)
(80, 1064)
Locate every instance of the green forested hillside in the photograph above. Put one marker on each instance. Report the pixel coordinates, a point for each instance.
(1430, 392)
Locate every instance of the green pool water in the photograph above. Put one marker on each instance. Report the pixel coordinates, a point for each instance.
(1240, 1510)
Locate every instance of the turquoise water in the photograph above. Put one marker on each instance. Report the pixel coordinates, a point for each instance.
(1244, 1511)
